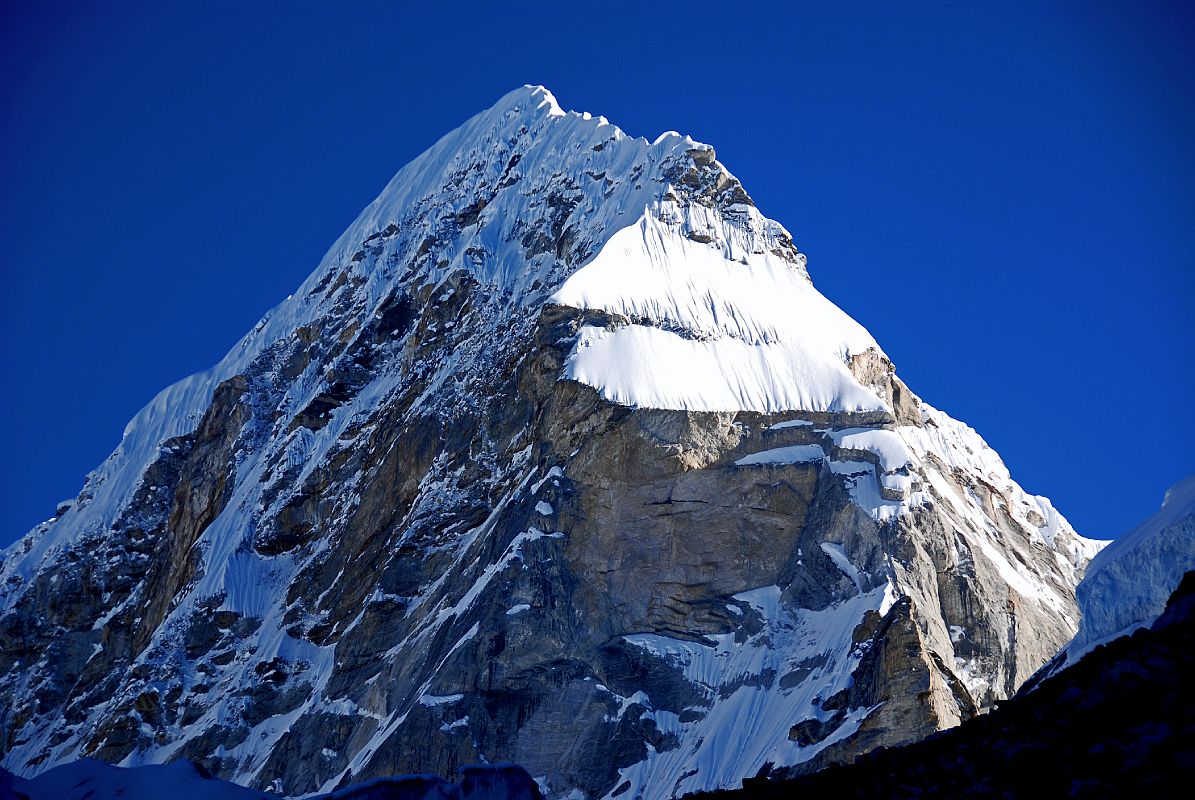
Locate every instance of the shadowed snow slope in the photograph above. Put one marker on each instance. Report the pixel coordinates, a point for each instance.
(1127, 584)
(88, 779)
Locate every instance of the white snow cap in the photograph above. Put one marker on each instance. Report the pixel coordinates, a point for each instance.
(721, 324)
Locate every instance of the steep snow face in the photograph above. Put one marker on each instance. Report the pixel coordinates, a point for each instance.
(717, 324)
(1127, 585)
(503, 479)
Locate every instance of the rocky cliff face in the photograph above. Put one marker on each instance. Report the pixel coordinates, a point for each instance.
(558, 458)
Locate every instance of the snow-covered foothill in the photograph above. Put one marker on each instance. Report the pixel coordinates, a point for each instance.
(1126, 585)
(89, 779)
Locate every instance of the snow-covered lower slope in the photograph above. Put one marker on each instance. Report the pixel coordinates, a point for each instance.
(88, 779)
(750, 717)
(558, 457)
(1126, 586)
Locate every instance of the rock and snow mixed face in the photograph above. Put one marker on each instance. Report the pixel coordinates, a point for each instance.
(558, 457)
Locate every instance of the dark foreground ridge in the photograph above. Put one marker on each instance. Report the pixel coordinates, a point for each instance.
(1119, 721)
(182, 780)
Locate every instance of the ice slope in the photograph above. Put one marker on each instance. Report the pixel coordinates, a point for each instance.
(88, 779)
(719, 325)
(1126, 586)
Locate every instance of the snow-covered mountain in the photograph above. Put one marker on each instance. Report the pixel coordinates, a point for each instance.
(558, 458)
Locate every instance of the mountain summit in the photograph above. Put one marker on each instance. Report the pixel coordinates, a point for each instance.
(558, 458)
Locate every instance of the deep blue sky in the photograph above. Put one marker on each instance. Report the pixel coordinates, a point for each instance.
(1003, 196)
